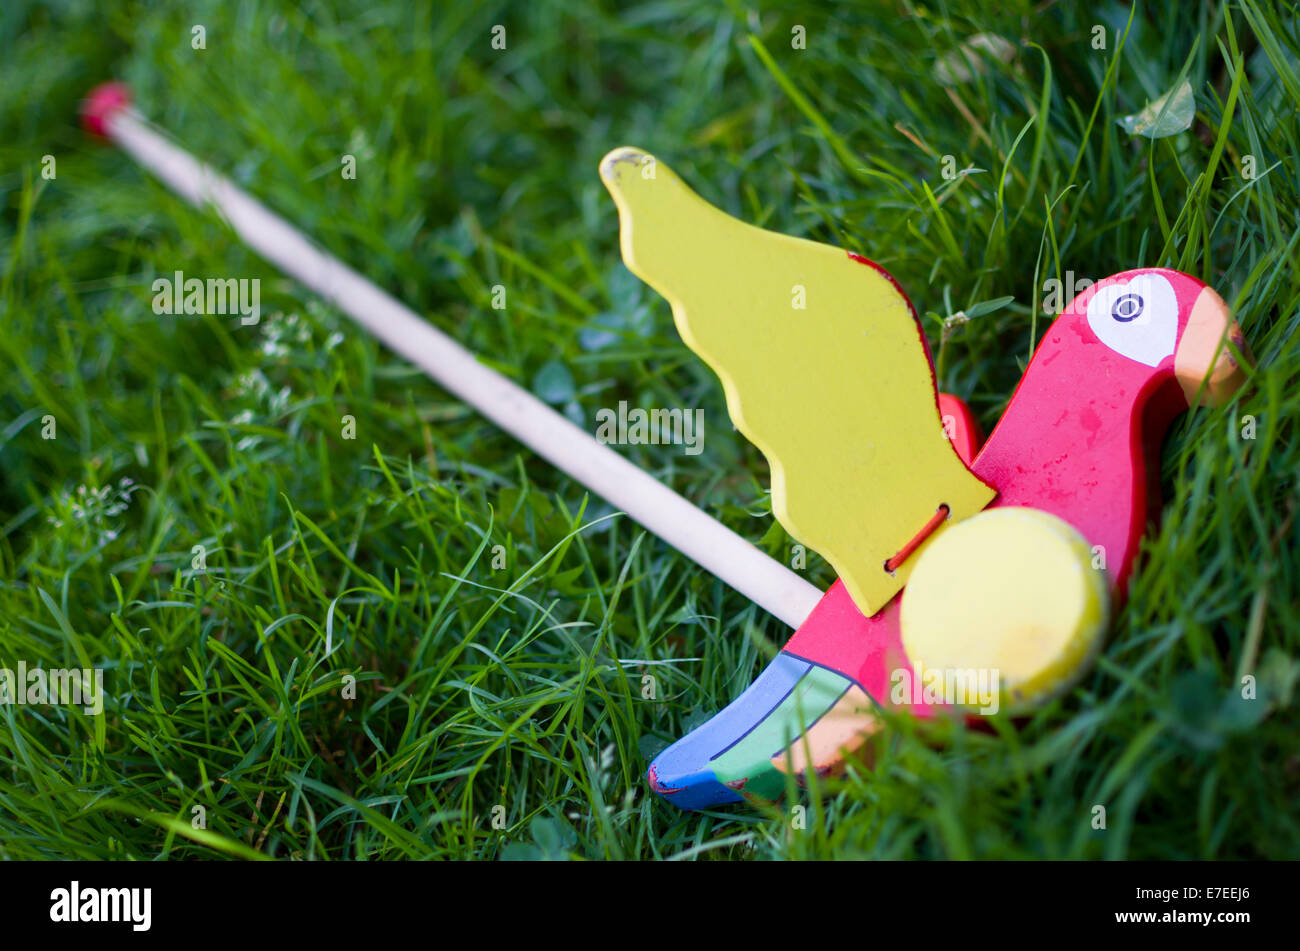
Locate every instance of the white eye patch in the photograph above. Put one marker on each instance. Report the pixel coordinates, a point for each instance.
(1138, 319)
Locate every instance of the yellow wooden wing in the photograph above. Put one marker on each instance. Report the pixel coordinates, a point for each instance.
(824, 370)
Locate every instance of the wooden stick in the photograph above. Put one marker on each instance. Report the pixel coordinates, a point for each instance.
(662, 511)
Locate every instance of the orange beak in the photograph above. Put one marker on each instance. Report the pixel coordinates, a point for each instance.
(1206, 362)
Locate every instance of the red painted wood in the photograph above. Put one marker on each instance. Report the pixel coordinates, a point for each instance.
(962, 428)
(1075, 441)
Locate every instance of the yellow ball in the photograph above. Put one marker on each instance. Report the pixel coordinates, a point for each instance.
(1012, 592)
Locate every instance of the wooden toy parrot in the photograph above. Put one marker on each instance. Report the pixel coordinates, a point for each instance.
(1011, 560)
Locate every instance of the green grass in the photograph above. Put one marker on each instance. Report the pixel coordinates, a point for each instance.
(521, 687)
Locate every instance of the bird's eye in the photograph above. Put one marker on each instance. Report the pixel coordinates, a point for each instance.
(1127, 307)
(1137, 318)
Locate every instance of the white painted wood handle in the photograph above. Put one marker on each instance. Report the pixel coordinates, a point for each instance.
(704, 540)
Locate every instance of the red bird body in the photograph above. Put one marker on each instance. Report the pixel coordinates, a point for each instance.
(1079, 440)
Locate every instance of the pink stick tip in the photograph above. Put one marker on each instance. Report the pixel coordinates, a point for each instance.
(102, 102)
